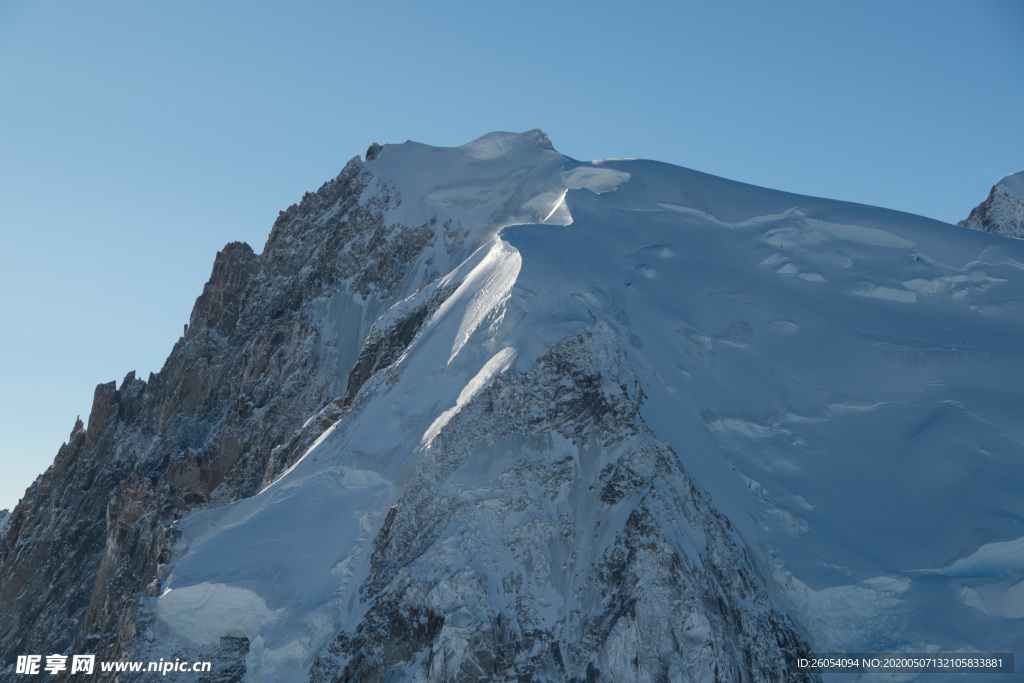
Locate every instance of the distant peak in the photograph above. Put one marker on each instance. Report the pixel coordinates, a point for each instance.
(1002, 212)
(540, 137)
(1013, 184)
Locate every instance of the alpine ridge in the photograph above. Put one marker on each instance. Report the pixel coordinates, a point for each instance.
(491, 413)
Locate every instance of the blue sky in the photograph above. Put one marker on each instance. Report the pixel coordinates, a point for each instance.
(138, 138)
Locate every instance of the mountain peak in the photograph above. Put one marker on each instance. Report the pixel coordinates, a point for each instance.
(497, 144)
(1002, 212)
(1013, 184)
(487, 408)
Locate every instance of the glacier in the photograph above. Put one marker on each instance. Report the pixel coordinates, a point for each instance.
(621, 420)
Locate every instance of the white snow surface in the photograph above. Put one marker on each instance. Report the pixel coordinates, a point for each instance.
(846, 382)
(1013, 184)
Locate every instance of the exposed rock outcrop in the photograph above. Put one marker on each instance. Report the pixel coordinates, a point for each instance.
(1002, 212)
(590, 555)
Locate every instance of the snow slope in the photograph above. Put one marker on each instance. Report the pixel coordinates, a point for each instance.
(844, 383)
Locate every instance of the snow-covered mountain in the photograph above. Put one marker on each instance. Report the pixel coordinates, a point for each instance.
(489, 412)
(1002, 212)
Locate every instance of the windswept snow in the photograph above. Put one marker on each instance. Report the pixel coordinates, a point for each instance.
(206, 612)
(496, 145)
(481, 293)
(597, 179)
(991, 559)
(498, 364)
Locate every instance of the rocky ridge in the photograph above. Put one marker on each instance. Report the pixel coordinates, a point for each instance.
(216, 424)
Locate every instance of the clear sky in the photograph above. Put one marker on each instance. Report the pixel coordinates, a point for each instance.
(137, 138)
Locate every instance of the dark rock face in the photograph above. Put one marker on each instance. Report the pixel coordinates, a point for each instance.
(652, 584)
(385, 343)
(44, 594)
(212, 426)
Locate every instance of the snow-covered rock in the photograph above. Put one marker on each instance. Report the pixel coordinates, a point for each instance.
(491, 412)
(1002, 212)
